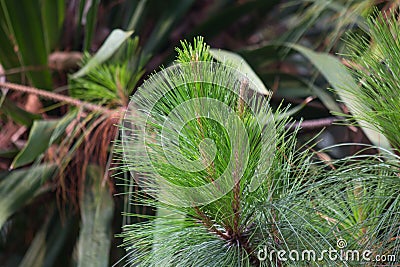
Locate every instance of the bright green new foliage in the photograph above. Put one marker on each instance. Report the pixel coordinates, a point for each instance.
(231, 185)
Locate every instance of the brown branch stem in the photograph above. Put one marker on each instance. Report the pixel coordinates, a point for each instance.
(209, 224)
(57, 97)
(312, 124)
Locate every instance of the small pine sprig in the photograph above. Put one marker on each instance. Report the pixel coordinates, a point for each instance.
(200, 51)
(112, 82)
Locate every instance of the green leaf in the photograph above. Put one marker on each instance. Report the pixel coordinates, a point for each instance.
(38, 142)
(97, 209)
(48, 242)
(326, 98)
(110, 46)
(159, 226)
(340, 79)
(238, 62)
(19, 187)
(176, 9)
(9, 153)
(90, 19)
(8, 58)
(79, 24)
(289, 86)
(23, 24)
(52, 13)
(292, 91)
(312, 16)
(262, 55)
(17, 114)
(137, 14)
(3, 174)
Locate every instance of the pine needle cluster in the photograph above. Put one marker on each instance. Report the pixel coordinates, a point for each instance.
(376, 57)
(285, 199)
(113, 81)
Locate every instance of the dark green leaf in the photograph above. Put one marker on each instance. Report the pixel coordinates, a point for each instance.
(38, 142)
(165, 24)
(10, 153)
(53, 12)
(97, 209)
(239, 63)
(19, 187)
(24, 28)
(340, 79)
(136, 15)
(8, 57)
(262, 55)
(48, 242)
(90, 19)
(17, 114)
(326, 98)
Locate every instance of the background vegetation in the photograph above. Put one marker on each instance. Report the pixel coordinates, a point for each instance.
(68, 68)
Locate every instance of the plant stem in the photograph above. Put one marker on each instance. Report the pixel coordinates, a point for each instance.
(209, 224)
(57, 97)
(312, 124)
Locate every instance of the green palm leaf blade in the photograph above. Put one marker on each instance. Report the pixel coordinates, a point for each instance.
(343, 83)
(20, 186)
(116, 38)
(97, 209)
(49, 241)
(37, 143)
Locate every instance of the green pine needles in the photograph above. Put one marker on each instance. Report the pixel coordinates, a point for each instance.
(198, 52)
(377, 64)
(231, 186)
(111, 82)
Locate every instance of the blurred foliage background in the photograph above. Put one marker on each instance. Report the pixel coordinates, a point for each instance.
(68, 67)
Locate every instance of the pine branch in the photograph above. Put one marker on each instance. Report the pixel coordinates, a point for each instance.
(209, 224)
(59, 98)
